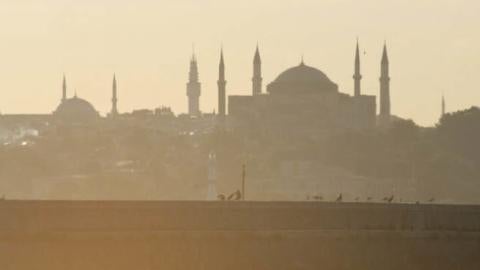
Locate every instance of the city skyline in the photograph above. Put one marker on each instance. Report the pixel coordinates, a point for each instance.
(151, 60)
(226, 134)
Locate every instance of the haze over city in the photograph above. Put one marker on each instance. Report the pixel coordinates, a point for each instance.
(221, 134)
(433, 48)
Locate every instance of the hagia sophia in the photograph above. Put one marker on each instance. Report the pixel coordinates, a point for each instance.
(302, 98)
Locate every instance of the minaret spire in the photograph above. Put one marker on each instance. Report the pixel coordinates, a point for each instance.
(385, 86)
(385, 55)
(443, 105)
(193, 88)
(64, 88)
(257, 73)
(193, 73)
(357, 77)
(114, 111)
(221, 66)
(221, 87)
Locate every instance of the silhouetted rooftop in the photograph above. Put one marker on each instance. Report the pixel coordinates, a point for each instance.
(76, 109)
(302, 77)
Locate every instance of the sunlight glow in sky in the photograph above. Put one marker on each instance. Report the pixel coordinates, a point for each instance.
(434, 48)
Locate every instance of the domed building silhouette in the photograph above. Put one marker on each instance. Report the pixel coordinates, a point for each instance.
(302, 102)
(301, 79)
(76, 110)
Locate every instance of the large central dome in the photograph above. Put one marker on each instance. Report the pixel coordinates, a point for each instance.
(302, 78)
(76, 110)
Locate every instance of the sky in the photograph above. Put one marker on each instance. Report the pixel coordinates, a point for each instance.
(433, 46)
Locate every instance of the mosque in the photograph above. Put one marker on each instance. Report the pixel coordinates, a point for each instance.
(75, 109)
(301, 107)
(301, 100)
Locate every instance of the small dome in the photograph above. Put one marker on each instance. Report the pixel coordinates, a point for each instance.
(76, 110)
(302, 78)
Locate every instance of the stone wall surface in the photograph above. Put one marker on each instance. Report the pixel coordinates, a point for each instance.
(237, 235)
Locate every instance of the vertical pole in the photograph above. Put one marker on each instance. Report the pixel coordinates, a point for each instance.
(243, 182)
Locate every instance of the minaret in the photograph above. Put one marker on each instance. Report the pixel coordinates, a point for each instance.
(257, 74)
(193, 88)
(385, 86)
(357, 77)
(443, 106)
(64, 89)
(114, 111)
(221, 87)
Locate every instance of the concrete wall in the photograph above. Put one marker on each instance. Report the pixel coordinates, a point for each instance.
(237, 235)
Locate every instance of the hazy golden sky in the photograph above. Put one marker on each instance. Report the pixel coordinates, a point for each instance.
(434, 47)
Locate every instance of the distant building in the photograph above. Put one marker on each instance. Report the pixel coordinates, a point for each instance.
(443, 109)
(75, 110)
(193, 89)
(222, 91)
(114, 111)
(257, 74)
(385, 114)
(303, 101)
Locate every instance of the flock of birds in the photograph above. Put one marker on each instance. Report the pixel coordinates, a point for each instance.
(235, 196)
(339, 198)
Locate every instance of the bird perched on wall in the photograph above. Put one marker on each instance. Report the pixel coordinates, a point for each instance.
(339, 198)
(237, 195)
(388, 199)
(221, 197)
